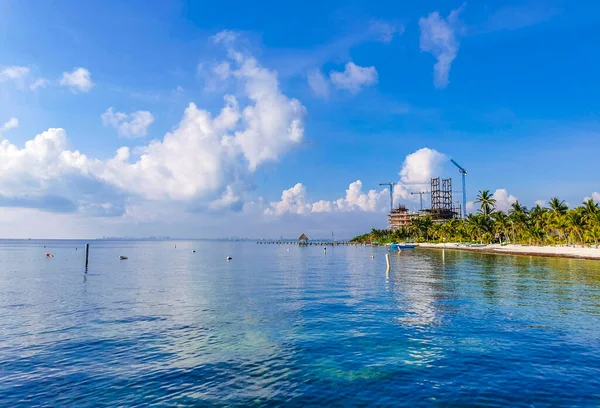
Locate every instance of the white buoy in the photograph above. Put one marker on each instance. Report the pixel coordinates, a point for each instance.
(229, 258)
(387, 260)
(372, 256)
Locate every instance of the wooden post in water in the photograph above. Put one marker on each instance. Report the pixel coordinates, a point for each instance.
(87, 255)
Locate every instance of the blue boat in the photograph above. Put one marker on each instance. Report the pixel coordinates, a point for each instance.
(395, 247)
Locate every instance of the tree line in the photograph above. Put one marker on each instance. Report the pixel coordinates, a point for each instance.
(554, 224)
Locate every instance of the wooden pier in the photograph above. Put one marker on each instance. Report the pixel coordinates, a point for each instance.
(309, 243)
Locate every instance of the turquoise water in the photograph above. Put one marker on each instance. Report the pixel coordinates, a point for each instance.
(295, 328)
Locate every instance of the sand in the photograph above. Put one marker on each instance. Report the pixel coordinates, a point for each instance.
(556, 251)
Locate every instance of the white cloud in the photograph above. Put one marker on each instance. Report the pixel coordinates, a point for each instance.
(13, 73)
(128, 125)
(22, 77)
(356, 200)
(595, 197)
(503, 199)
(78, 80)
(295, 201)
(197, 160)
(38, 83)
(227, 200)
(418, 167)
(470, 206)
(439, 37)
(541, 203)
(354, 77)
(318, 83)
(11, 124)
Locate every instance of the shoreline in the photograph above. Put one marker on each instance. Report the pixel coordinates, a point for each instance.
(527, 250)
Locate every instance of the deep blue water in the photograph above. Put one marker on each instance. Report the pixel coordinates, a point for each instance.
(294, 328)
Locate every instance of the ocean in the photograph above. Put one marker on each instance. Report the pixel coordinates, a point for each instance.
(292, 326)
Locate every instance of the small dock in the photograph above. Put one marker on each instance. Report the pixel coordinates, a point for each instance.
(309, 243)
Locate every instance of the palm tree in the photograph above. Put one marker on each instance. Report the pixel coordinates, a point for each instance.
(593, 234)
(558, 210)
(487, 201)
(557, 206)
(590, 208)
(501, 225)
(576, 223)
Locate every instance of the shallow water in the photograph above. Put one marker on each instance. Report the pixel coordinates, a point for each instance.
(275, 327)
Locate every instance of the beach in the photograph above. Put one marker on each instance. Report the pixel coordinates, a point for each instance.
(552, 251)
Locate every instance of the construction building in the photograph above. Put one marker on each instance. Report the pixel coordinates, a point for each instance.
(399, 217)
(441, 209)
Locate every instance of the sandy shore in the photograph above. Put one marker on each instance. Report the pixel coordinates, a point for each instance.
(556, 251)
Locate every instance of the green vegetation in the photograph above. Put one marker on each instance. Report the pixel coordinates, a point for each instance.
(552, 225)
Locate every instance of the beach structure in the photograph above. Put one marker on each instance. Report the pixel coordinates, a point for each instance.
(441, 209)
(400, 217)
(303, 240)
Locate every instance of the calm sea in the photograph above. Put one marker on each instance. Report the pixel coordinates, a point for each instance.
(279, 327)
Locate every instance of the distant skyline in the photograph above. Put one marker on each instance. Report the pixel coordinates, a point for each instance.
(187, 119)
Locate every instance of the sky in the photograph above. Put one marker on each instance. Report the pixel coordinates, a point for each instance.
(198, 120)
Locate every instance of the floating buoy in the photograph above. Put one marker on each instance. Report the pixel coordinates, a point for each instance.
(122, 257)
(288, 250)
(229, 258)
(194, 251)
(49, 256)
(372, 256)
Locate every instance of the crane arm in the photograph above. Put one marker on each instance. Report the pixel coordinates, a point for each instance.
(459, 166)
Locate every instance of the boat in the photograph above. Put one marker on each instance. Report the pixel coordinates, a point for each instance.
(395, 247)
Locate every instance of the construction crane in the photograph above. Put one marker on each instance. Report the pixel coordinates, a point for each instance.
(420, 193)
(391, 185)
(463, 173)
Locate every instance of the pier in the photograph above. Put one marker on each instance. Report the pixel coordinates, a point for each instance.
(309, 243)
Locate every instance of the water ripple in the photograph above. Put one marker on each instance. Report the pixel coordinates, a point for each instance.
(295, 328)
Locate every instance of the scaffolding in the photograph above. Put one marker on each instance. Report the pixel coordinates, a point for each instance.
(441, 200)
(436, 196)
(447, 194)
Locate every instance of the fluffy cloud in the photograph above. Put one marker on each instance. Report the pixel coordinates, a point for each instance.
(13, 73)
(418, 169)
(203, 155)
(356, 200)
(595, 196)
(439, 37)
(541, 203)
(318, 83)
(228, 200)
(354, 77)
(295, 201)
(22, 77)
(78, 80)
(503, 199)
(11, 124)
(128, 125)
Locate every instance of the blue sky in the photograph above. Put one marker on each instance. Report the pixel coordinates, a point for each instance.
(320, 96)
